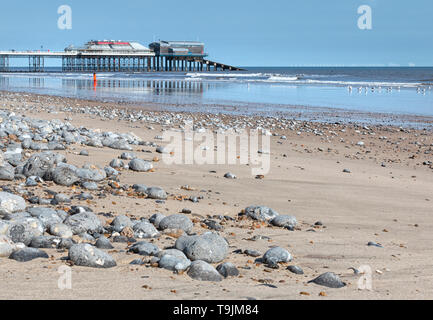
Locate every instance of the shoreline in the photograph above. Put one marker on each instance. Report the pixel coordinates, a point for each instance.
(323, 115)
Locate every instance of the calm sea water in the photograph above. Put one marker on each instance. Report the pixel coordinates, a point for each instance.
(394, 90)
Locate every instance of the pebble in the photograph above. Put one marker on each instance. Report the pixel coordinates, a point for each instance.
(156, 193)
(144, 248)
(230, 175)
(227, 269)
(176, 221)
(202, 271)
(174, 260)
(209, 247)
(145, 230)
(28, 254)
(103, 243)
(10, 203)
(284, 221)
(88, 256)
(140, 165)
(277, 255)
(60, 230)
(261, 213)
(295, 269)
(328, 279)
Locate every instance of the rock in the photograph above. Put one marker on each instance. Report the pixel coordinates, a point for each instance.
(173, 260)
(65, 175)
(88, 256)
(27, 254)
(140, 165)
(202, 271)
(227, 269)
(283, 221)
(47, 242)
(374, 244)
(10, 203)
(346, 171)
(128, 156)
(252, 253)
(156, 193)
(230, 175)
(91, 173)
(277, 255)
(84, 222)
(6, 246)
(7, 172)
(116, 163)
(89, 185)
(62, 198)
(120, 222)
(328, 279)
(47, 216)
(138, 262)
(176, 221)
(103, 243)
(156, 219)
(261, 213)
(40, 163)
(144, 248)
(24, 230)
(60, 230)
(295, 269)
(184, 241)
(209, 247)
(84, 153)
(145, 230)
(140, 188)
(213, 225)
(120, 145)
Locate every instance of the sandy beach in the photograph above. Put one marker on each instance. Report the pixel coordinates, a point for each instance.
(385, 196)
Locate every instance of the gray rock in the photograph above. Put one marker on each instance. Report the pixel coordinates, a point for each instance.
(128, 156)
(162, 150)
(27, 254)
(65, 175)
(120, 145)
(145, 230)
(173, 260)
(103, 243)
(62, 198)
(47, 216)
(252, 253)
(47, 242)
(7, 172)
(84, 222)
(202, 271)
(261, 213)
(120, 222)
(140, 188)
(230, 175)
(10, 203)
(88, 256)
(176, 221)
(60, 230)
(144, 248)
(277, 255)
(284, 221)
(328, 279)
(295, 269)
(209, 247)
(91, 173)
(89, 185)
(84, 153)
(24, 230)
(156, 193)
(183, 241)
(6, 246)
(227, 269)
(140, 165)
(40, 163)
(156, 219)
(116, 163)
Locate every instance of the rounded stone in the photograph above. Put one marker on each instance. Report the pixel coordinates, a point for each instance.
(60, 230)
(120, 222)
(202, 271)
(227, 269)
(209, 247)
(328, 279)
(10, 203)
(140, 165)
(87, 255)
(84, 222)
(261, 213)
(284, 221)
(103, 243)
(144, 248)
(28, 254)
(176, 221)
(277, 255)
(156, 193)
(144, 230)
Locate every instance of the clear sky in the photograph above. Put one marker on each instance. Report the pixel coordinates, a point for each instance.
(237, 32)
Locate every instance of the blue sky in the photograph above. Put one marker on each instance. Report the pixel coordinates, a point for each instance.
(238, 32)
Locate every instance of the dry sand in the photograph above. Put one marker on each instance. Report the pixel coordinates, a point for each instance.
(390, 205)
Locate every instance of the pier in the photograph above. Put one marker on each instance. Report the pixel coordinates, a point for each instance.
(120, 56)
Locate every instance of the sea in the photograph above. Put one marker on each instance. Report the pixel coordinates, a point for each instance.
(257, 91)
